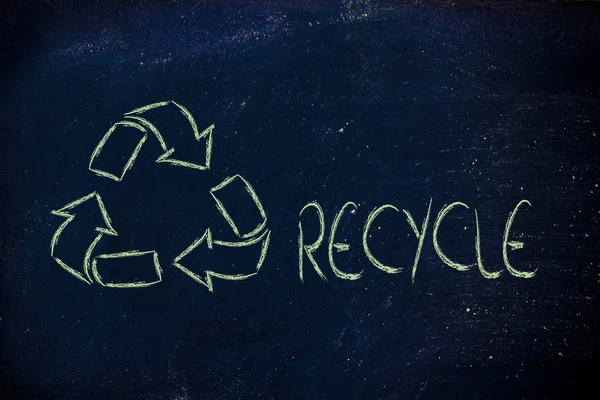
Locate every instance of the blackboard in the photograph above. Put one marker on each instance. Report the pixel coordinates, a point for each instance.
(336, 200)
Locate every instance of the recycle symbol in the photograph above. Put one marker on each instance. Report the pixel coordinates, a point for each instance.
(90, 269)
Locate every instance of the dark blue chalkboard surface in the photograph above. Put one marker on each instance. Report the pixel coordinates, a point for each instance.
(311, 200)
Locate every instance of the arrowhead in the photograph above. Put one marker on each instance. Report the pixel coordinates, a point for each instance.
(205, 238)
(207, 133)
(166, 156)
(206, 280)
(67, 212)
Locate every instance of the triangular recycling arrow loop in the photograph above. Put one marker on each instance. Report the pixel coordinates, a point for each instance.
(91, 265)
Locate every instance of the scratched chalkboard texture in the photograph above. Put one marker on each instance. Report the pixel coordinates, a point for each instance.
(165, 168)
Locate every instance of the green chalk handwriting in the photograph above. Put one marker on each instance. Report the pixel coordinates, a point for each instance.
(514, 245)
(93, 266)
(340, 246)
(311, 248)
(376, 211)
(443, 212)
(484, 272)
(420, 235)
